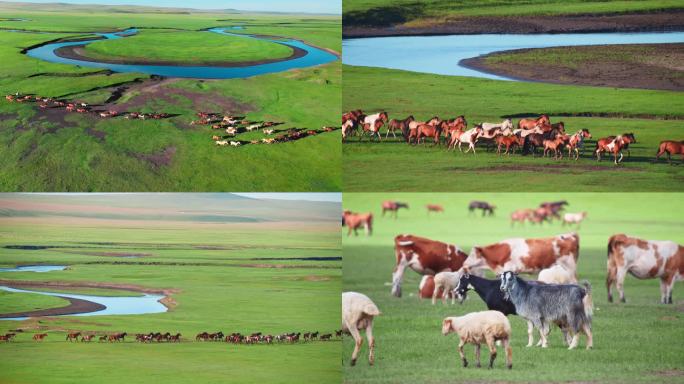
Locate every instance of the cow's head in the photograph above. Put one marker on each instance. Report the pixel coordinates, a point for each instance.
(508, 282)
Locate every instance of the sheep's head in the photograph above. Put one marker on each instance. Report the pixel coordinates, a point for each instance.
(447, 327)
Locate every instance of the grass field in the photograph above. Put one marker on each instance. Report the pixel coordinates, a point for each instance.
(172, 46)
(414, 13)
(50, 151)
(633, 342)
(393, 166)
(226, 275)
(11, 302)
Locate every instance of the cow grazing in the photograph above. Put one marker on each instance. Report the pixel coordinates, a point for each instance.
(393, 207)
(525, 255)
(354, 221)
(644, 259)
(425, 256)
(670, 147)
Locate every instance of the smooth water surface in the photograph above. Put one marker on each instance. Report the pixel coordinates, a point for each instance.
(442, 54)
(34, 268)
(314, 56)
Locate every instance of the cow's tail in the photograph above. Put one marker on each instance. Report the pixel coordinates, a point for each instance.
(612, 244)
(587, 300)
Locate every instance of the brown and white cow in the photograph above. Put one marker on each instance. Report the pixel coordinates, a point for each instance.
(521, 255)
(427, 287)
(644, 259)
(425, 256)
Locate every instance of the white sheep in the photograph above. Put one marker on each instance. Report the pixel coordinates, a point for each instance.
(358, 312)
(447, 281)
(574, 218)
(557, 274)
(481, 327)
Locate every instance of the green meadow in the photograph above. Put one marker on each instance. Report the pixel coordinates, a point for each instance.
(392, 165)
(633, 342)
(224, 276)
(47, 150)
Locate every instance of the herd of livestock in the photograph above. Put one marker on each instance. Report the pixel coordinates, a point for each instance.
(529, 135)
(557, 297)
(234, 125)
(84, 108)
(158, 337)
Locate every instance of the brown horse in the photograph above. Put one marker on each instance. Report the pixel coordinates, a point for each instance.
(73, 336)
(508, 142)
(39, 336)
(555, 145)
(576, 142)
(670, 147)
(434, 208)
(531, 123)
(627, 139)
(427, 130)
(401, 125)
(87, 338)
(354, 221)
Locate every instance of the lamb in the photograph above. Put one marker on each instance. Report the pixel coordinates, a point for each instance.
(446, 282)
(574, 218)
(556, 274)
(543, 304)
(478, 327)
(358, 312)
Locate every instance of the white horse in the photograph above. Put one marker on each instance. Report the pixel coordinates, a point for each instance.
(469, 137)
(506, 124)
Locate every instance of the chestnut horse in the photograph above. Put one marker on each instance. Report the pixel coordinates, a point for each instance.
(428, 130)
(531, 123)
(401, 125)
(73, 336)
(355, 220)
(670, 147)
(508, 142)
(434, 208)
(555, 145)
(39, 336)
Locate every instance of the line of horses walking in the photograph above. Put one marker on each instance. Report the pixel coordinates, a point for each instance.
(529, 135)
(159, 337)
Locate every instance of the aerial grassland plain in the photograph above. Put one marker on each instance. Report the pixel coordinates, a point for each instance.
(48, 150)
(633, 342)
(279, 273)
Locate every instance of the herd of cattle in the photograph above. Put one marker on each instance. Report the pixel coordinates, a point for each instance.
(556, 297)
(234, 125)
(529, 135)
(71, 106)
(233, 338)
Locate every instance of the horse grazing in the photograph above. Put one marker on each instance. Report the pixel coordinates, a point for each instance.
(354, 221)
(393, 207)
(73, 336)
(487, 209)
(670, 147)
(401, 125)
(531, 123)
(576, 142)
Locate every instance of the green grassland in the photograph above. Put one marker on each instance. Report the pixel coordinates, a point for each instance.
(393, 166)
(173, 46)
(633, 342)
(225, 278)
(415, 13)
(51, 152)
(11, 302)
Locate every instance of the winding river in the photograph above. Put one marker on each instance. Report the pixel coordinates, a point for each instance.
(313, 56)
(113, 305)
(441, 54)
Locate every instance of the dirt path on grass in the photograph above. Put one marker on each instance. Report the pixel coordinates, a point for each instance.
(363, 24)
(645, 66)
(75, 306)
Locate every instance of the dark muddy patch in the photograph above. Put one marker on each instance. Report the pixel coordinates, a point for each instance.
(98, 135)
(546, 168)
(112, 254)
(159, 159)
(69, 74)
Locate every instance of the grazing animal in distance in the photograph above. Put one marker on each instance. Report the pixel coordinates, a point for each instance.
(39, 336)
(393, 207)
(358, 311)
(644, 259)
(481, 327)
(670, 147)
(487, 209)
(354, 221)
(434, 208)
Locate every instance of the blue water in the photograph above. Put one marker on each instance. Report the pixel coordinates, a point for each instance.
(442, 54)
(115, 305)
(126, 305)
(314, 56)
(34, 268)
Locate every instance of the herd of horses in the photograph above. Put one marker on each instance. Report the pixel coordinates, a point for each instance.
(234, 125)
(85, 108)
(529, 135)
(158, 337)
